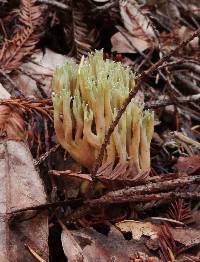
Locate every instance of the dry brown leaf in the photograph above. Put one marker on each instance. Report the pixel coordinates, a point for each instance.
(4, 93)
(123, 42)
(71, 248)
(112, 247)
(138, 34)
(135, 21)
(186, 236)
(11, 124)
(188, 165)
(20, 188)
(138, 229)
(38, 72)
(171, 39)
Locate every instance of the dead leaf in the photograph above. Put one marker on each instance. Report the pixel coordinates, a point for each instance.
(188, 165)
(71, 248)
(171, 39)
(102, 248)
(126, 43)
(20, 188)
(135, 21)
(183, 32)
(4, 93)
(186, 236)
(37, 74)
(196, 217)
(138, 229)
(11, 124)
(138, 32)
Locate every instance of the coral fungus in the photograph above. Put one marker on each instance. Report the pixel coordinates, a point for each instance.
(86, 99)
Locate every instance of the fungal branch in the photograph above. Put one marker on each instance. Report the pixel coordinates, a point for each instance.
(86, 99)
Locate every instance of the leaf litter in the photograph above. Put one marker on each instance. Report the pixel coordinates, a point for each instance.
(52, 208)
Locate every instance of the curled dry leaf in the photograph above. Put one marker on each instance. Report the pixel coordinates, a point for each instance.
(138, 34)
(135, 21)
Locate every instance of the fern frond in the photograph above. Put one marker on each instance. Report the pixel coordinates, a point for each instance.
(24, 39)
(180, 211)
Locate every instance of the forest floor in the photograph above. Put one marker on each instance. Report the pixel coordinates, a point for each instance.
(46, 215)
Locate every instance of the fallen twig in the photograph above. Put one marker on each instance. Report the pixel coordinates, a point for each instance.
(166, 102)
(14, 86)
(143, 193)
(45, 155)
(55, 3)
(148, 188)
(100, 202)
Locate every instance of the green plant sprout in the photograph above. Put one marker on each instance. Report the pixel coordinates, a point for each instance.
(86, 99)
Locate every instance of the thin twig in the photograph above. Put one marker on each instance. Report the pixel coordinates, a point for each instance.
(35, 254)
(54, 3)
(43, 157)
(143, 193)
(104, 7)
(167, 102)
(133, 92)
(14, 86)
(165, 219)
(149, 188)
(100, 202)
